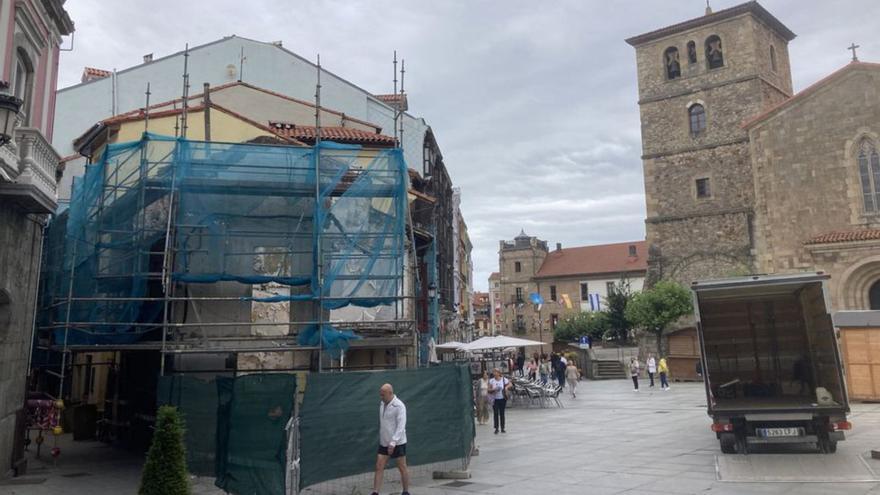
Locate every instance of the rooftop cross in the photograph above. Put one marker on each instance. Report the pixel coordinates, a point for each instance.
(853, 48)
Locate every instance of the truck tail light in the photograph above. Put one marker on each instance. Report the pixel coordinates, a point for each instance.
(839, 426)
(719, 427)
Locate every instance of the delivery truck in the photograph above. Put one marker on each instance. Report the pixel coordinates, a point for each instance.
(770, 361)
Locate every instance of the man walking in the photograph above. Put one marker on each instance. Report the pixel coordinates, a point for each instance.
(392, 438)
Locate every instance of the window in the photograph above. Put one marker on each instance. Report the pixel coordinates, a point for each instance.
(554, 320)
(874, 295)
(519, 297)
(585, 292)
(869, 172)
(673, 67)
(703, 190)
(22, 86)
(773, 58)
(692, 53)
(520, 323)
(714, 55)
(697, 116)
(609, 287)
(632, 251)
(552, 292)
(517, 267)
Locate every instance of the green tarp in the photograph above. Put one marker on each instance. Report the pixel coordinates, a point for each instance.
(339, 430)
(197, 402)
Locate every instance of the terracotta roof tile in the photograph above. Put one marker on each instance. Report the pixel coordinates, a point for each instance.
(846, 236)
(394, 99)
(589, 260)
(96, 73)
(339, 134)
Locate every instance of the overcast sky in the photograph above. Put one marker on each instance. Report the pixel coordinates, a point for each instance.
(533, 103)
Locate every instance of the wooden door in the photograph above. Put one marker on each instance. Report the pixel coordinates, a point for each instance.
(861, 358)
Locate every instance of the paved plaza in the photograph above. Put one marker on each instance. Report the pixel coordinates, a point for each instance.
(610, 440)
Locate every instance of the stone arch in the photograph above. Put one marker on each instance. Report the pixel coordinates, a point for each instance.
(708, 265)
(856, 282)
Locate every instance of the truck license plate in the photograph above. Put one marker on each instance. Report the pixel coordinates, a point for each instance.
(780, 432)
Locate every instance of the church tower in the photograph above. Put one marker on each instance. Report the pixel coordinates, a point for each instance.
(699, 80)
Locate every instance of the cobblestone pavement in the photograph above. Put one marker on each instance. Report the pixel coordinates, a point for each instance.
(610, 440)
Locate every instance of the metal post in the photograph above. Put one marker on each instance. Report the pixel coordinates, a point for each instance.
(316, 222)
(147, 110)
(207, 104)
(185, 94)
(67, 319)
(399, 120)
(166, 269)
(393, 105)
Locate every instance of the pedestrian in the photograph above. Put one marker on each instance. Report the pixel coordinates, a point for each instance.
(572, 375)
(663, 368)
(634, 373)
(483, 399)
(651, 364)
(520, 362)
(533, 370)
(544, 370)
(560, 372)
(392, 438)
(498, 387)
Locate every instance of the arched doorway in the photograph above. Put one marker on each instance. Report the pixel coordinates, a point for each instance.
(874, 295)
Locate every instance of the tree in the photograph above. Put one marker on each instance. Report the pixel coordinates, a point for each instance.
(616, 301)
(655, 309)
(570, 329)
(165, 470)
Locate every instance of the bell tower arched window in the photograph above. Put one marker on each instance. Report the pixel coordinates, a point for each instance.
(673, 66)
(697, 118)
(692, 52)
(869, 174)
(773, 58)
(714, 54)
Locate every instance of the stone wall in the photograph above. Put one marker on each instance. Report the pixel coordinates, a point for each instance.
(19, 273)
(530, 259)
(807, 179)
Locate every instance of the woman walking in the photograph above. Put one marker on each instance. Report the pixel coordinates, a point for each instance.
(651, 364)
(634, 373)
(572, 375)
(483, 399)
(544, 370)
(498, 385)
(664, 372)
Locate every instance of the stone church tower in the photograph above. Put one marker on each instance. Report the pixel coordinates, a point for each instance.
(699, 80)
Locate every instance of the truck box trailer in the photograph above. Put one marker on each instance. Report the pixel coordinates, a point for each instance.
(770, 361)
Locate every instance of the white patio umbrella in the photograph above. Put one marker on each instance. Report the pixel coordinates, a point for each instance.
(499, 342)
(450, 345)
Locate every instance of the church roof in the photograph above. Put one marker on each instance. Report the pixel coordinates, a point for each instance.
(753, 8)
(846, 236)
(594, 260)
(809, 91)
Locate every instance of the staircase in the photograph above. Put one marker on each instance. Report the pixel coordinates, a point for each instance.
(607, 369)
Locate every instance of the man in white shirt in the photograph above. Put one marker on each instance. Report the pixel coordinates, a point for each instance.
(392, 437)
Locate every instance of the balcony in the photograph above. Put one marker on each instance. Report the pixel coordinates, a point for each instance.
(27, 172)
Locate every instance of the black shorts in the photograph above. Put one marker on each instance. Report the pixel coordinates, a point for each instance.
(399, 451)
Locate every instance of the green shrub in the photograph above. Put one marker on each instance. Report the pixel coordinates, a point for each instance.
(165, 470)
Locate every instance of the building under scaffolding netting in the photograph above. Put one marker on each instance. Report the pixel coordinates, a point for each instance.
(205, 257)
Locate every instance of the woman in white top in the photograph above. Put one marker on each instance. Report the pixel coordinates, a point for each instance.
(483, 399)
(651, 364)
(498, 386)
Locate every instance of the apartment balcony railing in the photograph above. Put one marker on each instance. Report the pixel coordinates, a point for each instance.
(27, 171)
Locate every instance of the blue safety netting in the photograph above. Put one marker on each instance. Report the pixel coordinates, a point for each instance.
(251, 220)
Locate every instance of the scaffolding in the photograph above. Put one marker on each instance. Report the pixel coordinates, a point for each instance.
(189, 247)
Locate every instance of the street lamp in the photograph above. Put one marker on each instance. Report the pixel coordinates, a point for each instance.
(9, 107)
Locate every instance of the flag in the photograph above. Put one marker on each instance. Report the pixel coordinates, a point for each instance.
(595, 302)
(566, 301)
(536, 298)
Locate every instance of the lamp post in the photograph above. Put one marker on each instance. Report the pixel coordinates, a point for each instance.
(9, 107)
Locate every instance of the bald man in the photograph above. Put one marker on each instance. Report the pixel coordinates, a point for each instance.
(392, 437)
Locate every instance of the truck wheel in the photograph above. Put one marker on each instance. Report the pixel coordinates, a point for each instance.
(827, 445)
(728, 443)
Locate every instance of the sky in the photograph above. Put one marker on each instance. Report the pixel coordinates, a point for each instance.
(534, 104)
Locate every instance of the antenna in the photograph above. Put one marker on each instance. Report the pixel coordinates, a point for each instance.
(147, 110)
(241, 59)
(395, 92)
(400, 102)
(185, 97)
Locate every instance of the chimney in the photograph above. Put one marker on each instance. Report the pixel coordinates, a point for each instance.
(708, 8)
(148, 58)
(559, 246)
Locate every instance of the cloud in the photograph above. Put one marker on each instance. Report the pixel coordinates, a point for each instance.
(534, 105)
